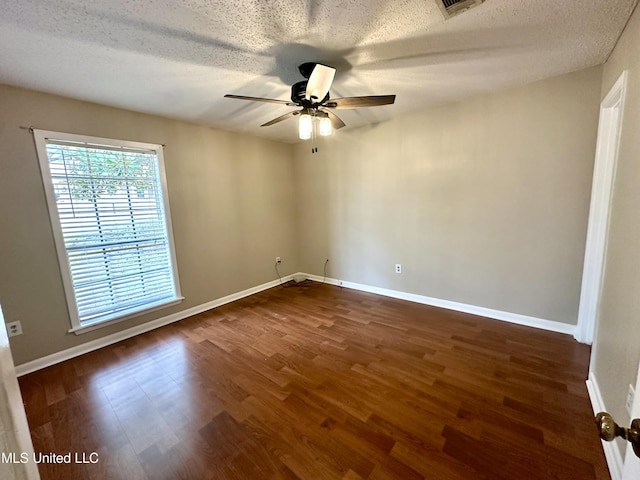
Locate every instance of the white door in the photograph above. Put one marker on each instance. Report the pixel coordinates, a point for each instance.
(14, 430)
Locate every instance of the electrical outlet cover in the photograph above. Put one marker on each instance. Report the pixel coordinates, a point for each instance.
(630, 394)
(14, 328)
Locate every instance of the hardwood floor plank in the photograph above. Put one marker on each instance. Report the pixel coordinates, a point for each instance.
(432, 463)
(318, 382)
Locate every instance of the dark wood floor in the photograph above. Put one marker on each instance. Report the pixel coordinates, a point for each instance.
(317, 382)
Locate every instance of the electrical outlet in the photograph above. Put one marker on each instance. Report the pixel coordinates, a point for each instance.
(14, 328)
(278, 260)
(398, 268)
(630, 394)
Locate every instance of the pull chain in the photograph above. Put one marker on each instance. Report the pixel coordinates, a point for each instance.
(314, 127)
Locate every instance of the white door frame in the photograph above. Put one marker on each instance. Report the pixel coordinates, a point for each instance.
(609, 128)
(631, 467)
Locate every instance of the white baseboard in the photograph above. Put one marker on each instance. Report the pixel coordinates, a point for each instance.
(611, 450)
(460, 307)
(92, 345)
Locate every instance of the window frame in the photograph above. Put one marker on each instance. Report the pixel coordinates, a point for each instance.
(41, 137)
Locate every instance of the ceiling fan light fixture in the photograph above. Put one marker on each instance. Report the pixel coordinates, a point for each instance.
(325, 127)
(312, 97)
(305, 126)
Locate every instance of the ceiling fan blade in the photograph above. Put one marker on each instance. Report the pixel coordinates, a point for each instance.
(319, 83)
(357, 102)
(260, 99)
(281, 118)
(336, 121)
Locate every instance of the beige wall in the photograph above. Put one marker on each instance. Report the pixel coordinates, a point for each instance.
(617, 347)
(483, 202)
(231, 200)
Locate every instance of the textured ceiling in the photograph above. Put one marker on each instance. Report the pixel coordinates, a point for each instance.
(177, 58)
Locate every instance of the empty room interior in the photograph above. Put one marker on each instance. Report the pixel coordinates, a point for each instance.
(320, 239)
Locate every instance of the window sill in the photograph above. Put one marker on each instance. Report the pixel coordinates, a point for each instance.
(79, 330)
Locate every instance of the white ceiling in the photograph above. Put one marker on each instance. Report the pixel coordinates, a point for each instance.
(177, 58)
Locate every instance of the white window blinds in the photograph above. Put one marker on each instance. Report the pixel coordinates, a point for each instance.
(114, 227)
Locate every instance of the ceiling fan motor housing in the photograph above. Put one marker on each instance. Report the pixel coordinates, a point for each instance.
(298, 93)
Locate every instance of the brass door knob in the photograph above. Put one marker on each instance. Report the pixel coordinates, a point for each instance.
(609, 430)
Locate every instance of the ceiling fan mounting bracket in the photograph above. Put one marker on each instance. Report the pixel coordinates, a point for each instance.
(306, 69)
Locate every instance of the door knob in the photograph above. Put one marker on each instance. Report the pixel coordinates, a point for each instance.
(609, 430)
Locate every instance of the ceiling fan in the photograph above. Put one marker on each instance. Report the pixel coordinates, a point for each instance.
(317, 106)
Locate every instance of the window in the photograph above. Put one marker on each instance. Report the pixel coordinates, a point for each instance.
(110, 216)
